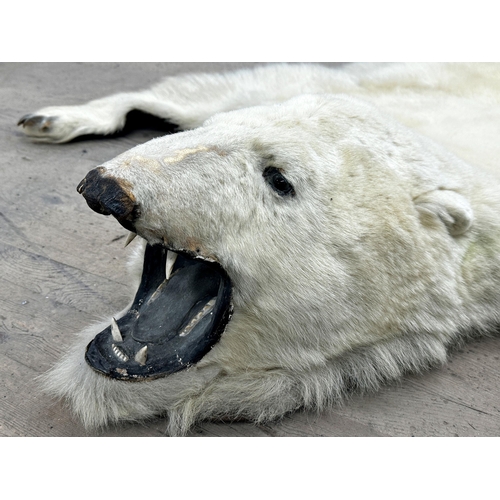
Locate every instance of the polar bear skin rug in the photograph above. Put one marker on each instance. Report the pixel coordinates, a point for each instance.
(311, 231)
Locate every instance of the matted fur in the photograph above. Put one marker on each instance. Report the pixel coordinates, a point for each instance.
(388, 254)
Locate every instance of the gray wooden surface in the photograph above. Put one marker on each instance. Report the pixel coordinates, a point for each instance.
(63, 266)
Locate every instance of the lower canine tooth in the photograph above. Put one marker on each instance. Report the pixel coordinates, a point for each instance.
(115, 331)
(142, 355)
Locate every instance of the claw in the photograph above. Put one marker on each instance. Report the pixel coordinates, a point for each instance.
(30, 120)
(43, 122)
(22, 120)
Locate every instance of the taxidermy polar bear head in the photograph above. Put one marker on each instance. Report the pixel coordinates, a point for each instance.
(290, 254)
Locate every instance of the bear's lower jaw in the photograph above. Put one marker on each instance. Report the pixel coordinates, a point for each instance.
(180, 310)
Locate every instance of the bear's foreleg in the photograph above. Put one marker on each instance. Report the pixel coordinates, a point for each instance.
(185, 100)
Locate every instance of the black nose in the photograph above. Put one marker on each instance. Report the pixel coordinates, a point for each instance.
(110, 196)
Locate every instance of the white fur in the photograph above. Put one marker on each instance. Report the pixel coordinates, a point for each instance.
(387, 255)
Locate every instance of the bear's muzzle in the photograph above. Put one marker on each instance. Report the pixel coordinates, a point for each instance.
(110, 196)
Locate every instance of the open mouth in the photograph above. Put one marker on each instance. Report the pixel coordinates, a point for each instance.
(180, 310)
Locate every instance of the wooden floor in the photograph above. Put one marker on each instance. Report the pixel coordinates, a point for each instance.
(62, 266)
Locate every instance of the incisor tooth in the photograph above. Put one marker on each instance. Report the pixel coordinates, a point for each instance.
(142, 355)
(171, 256)
(130, 238)
(115, 331)
(119, 353)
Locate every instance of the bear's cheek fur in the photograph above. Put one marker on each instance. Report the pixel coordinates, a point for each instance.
(380, 274)
(367, 285)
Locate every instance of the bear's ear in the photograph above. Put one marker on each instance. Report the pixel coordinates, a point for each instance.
(452, 208)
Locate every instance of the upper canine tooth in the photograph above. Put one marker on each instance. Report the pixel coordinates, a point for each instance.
(171, 256)
(115, 331)
(142, 355)
(130, 238)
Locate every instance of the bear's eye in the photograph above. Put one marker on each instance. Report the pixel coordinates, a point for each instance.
(278, 182)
